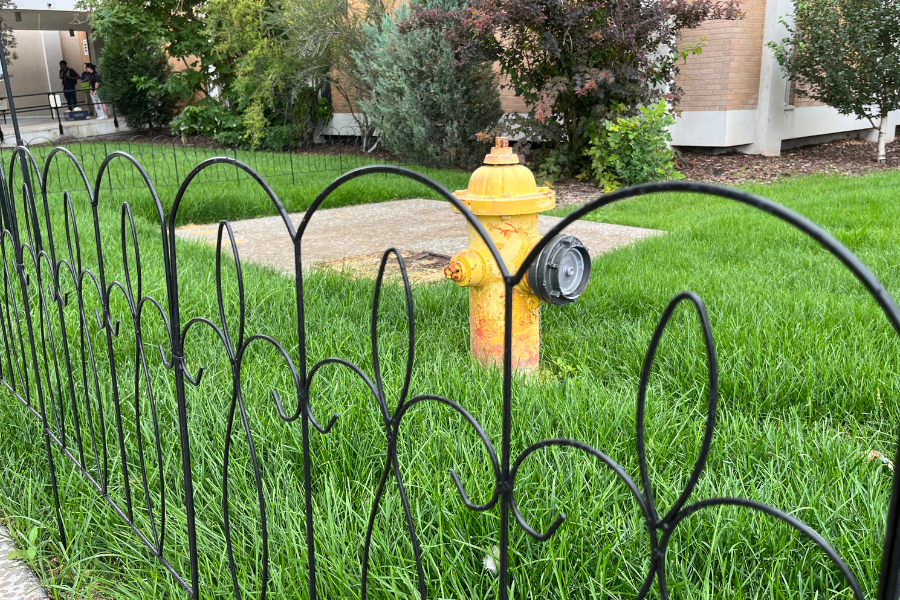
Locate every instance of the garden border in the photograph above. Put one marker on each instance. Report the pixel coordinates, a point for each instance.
(30, 367)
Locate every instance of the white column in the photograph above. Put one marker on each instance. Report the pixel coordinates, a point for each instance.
(893, 124)
(52, 55)
(772, 85)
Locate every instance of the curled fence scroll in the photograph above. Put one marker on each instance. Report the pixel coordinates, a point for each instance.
(56, 362)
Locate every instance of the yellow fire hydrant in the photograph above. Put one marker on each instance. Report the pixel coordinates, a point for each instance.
(506, 200)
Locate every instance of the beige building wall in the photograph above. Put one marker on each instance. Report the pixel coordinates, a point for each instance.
(736, 95)
(725, 76)
(73, 50)
(36, 70)
(509, 101)
(29, 72)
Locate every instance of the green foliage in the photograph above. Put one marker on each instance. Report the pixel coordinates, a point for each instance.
(845, 53)
(629, 151)
(209, 118)
(271, 83)
(135, 70)
(30, 551)
(266, 61)
(572, 62)
(9, 39)
(178, 25)
(426, 107)
(324, 110)
(549, 165)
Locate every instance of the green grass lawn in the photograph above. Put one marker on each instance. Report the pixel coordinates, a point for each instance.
(222, 192)
(808, 387)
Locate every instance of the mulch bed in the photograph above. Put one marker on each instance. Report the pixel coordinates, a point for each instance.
(845, 157)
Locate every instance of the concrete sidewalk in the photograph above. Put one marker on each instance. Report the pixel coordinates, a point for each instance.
(426, 231)
(17, 581)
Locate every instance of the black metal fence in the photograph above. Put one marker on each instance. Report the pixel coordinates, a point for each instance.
(52, 301)
(167, 159)
(51, 103)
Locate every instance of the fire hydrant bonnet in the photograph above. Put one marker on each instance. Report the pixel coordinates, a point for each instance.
(508, 190)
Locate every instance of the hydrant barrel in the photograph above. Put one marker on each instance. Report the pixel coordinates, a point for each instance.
(506, 200)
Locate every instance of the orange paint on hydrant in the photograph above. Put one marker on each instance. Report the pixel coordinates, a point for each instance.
(506, 200)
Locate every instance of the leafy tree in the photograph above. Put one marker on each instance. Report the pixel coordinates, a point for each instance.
(9, 40)
(425, 107)
(270, 82)
(124, 62)
(179, 26)
(573, 61)
(846, 53)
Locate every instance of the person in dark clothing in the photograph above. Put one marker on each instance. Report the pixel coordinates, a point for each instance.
(94, 79)
(69, 78)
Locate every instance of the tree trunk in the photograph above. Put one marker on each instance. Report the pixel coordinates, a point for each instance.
(882, 136)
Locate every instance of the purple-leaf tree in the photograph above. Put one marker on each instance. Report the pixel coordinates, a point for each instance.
(576, 62)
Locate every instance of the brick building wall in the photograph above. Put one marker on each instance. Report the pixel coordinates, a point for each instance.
(734, 93)
(725, 76)
(509, 101)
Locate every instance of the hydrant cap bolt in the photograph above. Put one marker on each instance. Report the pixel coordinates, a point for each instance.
(561, 271)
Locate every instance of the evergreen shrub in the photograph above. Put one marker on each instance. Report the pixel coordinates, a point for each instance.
(134, 72)
(427, 108)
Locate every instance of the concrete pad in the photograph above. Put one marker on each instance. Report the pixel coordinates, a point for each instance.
(416, 227)
(17, 581)
(42, 131)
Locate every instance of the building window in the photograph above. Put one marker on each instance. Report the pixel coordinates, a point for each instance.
(790, 92)
(18, 17)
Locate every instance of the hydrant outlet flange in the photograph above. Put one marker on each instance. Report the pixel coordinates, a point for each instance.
(466, 268)
(561, 271)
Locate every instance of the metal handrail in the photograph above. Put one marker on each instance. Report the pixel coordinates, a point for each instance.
(53, 104)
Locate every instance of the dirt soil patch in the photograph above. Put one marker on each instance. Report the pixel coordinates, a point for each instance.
(420, 266)
(845, 157)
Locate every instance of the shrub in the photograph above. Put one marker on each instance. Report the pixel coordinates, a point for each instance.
(426, 108)
(574, 61)
(629, 151)
(271, 83)
(134, 72)
(207, 117)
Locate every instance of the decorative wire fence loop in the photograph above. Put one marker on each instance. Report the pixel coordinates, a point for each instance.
(60, 322)
(167, 159)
